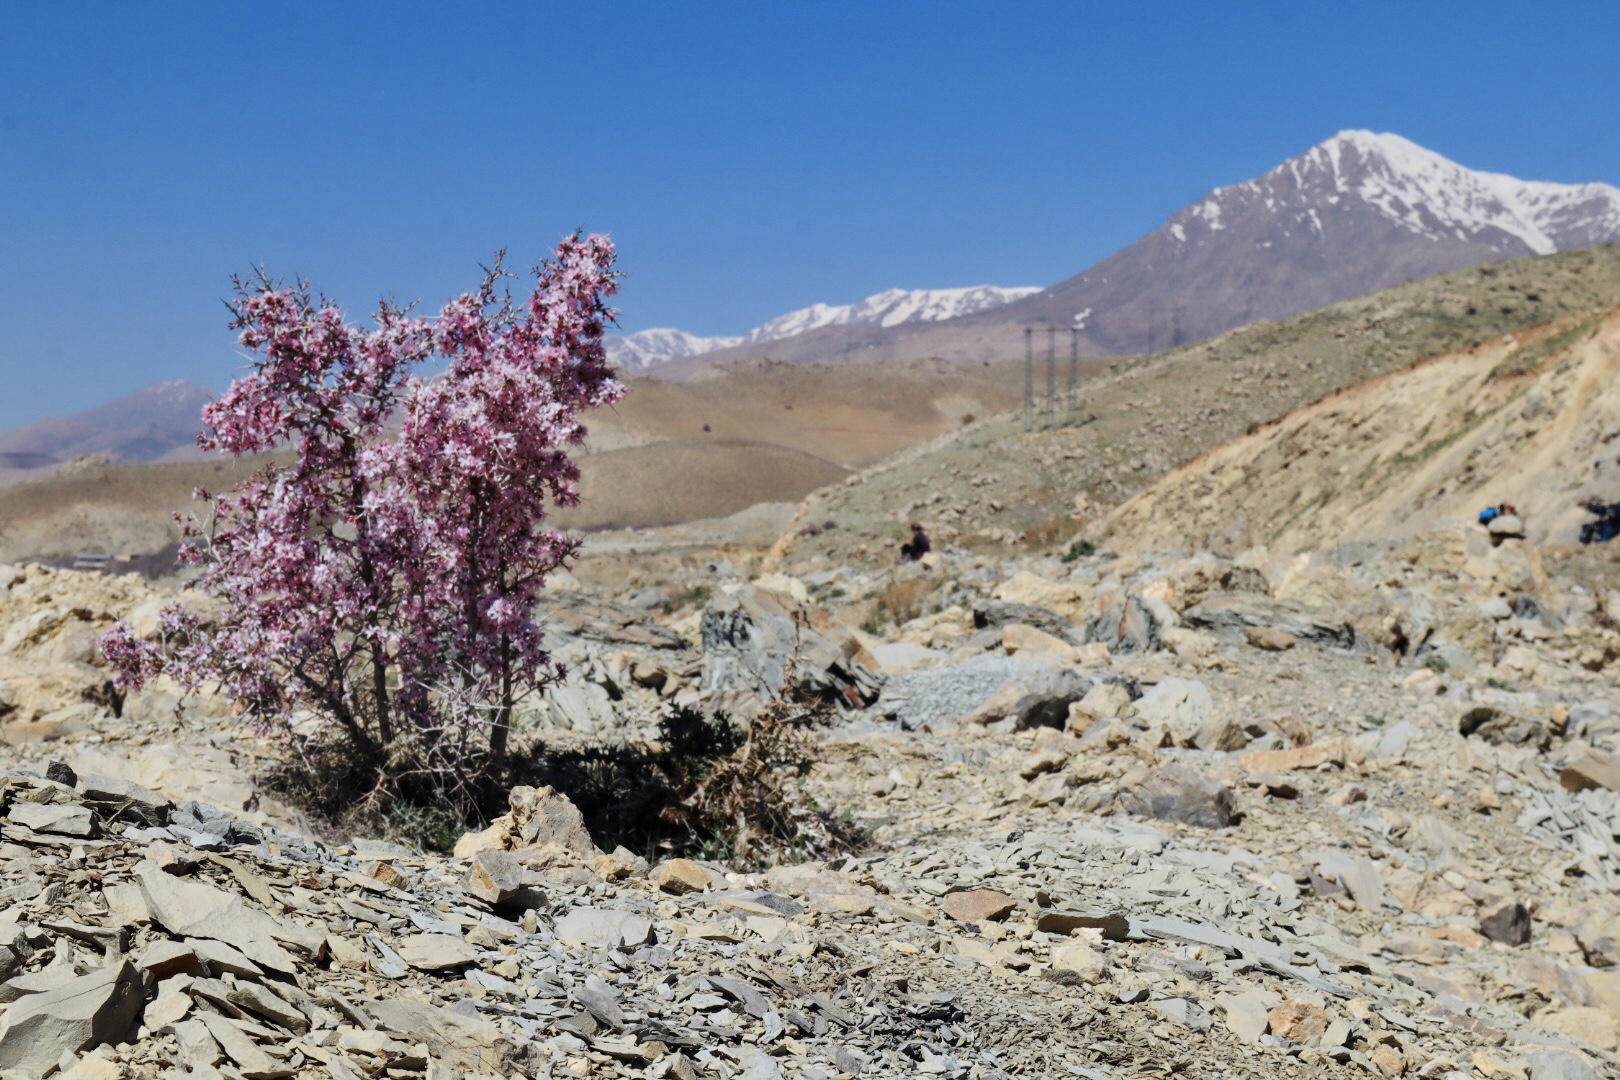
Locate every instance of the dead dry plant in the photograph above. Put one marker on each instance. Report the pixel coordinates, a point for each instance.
(746, 807)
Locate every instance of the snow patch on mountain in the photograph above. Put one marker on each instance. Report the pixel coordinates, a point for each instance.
(894, 307)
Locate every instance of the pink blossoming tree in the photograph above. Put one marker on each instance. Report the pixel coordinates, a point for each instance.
(386, 579)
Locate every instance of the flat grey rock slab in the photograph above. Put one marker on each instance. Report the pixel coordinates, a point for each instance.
(77, 1014)
(436, 952)
(603, 928)
(62, 819)
(196, 909)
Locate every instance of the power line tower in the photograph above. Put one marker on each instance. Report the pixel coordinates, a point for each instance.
(1156, 314)
(1074, 373)
(1051, 372)
(1029, 377)
(1049, 409)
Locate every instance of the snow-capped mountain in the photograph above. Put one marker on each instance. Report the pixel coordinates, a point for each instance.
(649, 348)
(1354, 214)
(1429, 196)
(894, 307)
(891, 308)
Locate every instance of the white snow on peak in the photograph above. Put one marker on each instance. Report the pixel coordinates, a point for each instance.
(1422, 192)
(890, 308)
(1434, 196)
(646, 348)
(173, 392)
(1210, 211)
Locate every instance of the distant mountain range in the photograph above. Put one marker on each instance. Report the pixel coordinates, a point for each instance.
(154, 422)
(1355, 214)
(893, 307)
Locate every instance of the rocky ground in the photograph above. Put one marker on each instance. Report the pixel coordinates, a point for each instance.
(1345, 813)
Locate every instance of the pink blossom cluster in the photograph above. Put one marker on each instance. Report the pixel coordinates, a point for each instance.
(386, 578)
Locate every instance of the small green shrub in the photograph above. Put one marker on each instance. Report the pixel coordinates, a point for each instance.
(901, 601)
(1079, 549)
(1437, 663)
(743, 805)
(693, 742)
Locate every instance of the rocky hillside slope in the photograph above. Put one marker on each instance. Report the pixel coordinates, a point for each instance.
(101, 507)
(1527, 419)
(996, 484)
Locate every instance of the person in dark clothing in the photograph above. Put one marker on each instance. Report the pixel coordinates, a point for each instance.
(917, 546)
(1607, 525)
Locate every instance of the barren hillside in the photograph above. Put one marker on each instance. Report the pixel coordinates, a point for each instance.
(996, 483)
(668, 453)
(689, 479)
(1527, 419)
(114, 509)
(851, 415)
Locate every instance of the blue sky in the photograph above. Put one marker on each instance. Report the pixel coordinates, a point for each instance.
(747, 158)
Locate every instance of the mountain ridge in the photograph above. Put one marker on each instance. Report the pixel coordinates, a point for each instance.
(1352, 215)
(892, 307)
(143, 425)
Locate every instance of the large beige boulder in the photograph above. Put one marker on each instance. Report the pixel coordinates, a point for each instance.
(680, 876)
(1018, 638)
(539, 818)
(31, 688)
(143, 618)
(1104, 701)
(1191, 580)
(1059, 597)
(1594, 1027)
(939, 629)
(1512, 566)
(1039, 697)
(49, 614)
(1177, 706)
(1317, 584)
(783, 583)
